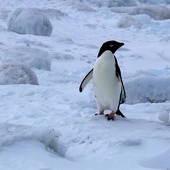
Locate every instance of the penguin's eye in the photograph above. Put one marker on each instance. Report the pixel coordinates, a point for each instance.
(111, 45)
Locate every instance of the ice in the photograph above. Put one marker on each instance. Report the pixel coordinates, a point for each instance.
(29, 21)
(13, 72)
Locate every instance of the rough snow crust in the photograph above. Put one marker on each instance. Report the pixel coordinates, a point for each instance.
(29, 21)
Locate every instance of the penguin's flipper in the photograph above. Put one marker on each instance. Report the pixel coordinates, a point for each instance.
(118, 74)
(86, 79)
(123, 94)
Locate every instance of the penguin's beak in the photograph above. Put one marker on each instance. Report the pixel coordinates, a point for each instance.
(121, 44)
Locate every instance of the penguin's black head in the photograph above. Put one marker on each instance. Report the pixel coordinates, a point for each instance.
(111, 46)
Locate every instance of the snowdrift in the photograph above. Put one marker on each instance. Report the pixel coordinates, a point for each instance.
(31, 57)
(29, 21)
(12, 72)
(148, 89)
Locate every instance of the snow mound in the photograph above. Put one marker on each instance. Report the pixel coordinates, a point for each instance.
(165, 117)
(128, 21)
(148, 89)
(31, 57)
(11, 133)
(29, 21)
(12, 72)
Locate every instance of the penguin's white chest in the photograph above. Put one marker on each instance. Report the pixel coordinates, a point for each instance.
(107, 87)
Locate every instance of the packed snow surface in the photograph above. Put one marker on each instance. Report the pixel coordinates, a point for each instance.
(53, 126)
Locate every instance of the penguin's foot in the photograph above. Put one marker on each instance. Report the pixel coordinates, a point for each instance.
(101, 113)
(119, 113)
(110, 116)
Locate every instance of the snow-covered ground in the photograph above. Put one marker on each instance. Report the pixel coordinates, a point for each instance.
(51, 125)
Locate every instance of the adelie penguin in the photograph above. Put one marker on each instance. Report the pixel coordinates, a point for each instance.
(107, 80)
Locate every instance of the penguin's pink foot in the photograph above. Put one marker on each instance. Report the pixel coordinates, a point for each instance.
(110, 116)
(101, 113)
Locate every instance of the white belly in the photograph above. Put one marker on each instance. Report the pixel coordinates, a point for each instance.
(107, 87)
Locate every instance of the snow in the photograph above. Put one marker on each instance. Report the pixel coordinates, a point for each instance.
(148, 89)
(165, 117)
(128, 21)
(29, 21)
(31, 57)
(12, 72)
(154, 11)
(53, 126)
(2, 28)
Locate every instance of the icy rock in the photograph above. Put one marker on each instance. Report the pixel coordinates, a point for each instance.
(29, 21)
(165, 117)
(31, 57)
(12, 72)
(128, 21)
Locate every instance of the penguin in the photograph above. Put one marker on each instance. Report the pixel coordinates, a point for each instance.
(108, 85)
